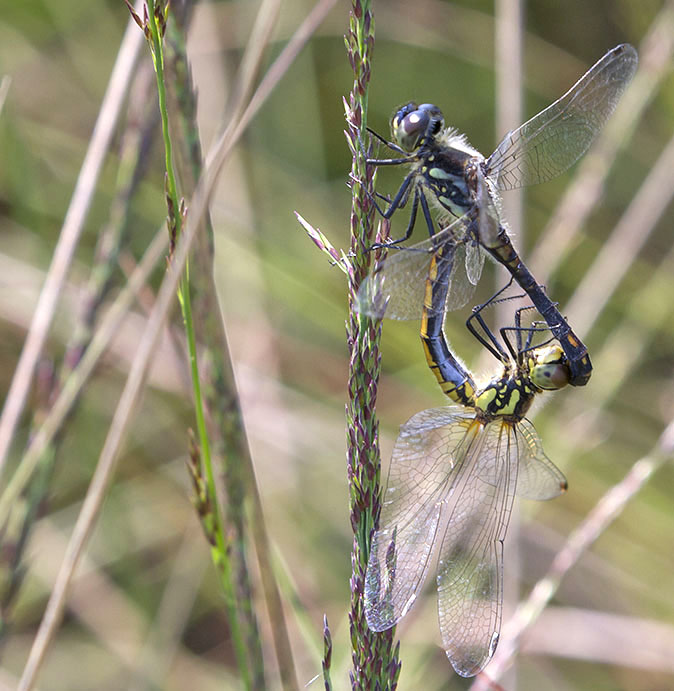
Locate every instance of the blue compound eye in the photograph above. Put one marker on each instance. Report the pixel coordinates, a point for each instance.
(411, 123)
(436, 120)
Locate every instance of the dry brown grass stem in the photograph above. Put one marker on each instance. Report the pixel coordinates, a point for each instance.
(630, 234)
(73, 224)
(62, 406)
(4, 90)
(584, 193)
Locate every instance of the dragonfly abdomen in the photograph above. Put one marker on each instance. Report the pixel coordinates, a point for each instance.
(453, 378)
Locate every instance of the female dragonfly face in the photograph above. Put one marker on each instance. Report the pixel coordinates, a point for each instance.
(465, 187)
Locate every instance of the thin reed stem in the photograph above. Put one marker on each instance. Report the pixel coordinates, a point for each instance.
(61, 407)
(627, 239)
(155, 26)
(223, 410)
(582, 196)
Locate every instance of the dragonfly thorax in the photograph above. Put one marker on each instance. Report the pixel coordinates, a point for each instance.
(511, 394)
(444, 165)
(508, 396)
(450, 176)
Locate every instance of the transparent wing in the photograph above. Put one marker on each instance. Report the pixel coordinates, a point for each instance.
(397, 286)
(489, 213)
(558, 136)
(465, 275)
(474, 262)
(423, 467)
(538, 477)
(470, 578)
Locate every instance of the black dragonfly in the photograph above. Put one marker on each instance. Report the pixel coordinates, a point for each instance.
(465, 186)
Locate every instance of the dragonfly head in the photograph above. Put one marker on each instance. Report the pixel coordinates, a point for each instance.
(549, 368)
(411, 124)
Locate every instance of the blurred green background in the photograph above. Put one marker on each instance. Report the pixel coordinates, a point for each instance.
(146, 611)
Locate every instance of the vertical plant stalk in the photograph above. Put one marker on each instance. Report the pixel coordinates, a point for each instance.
(509, 16)
(154, 26)
(224, 418)
(374, 655)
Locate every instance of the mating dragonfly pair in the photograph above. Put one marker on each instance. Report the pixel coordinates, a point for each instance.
(455, 471)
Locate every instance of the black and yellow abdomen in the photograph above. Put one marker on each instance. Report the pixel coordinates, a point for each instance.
(453, 378)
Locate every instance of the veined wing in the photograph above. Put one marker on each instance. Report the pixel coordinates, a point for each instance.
(474, 263)
(537, 476)
(558, 136)
(397, 286)
(424, 463)
(470, 568)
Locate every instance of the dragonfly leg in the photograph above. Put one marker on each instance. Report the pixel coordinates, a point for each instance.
(574, 348)
(385, 161)
(399, 202)
(486, 337)
(534, 328)
(401, 198)
(389, 161)
(386, 142)
(413, 217)
(427, 214)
